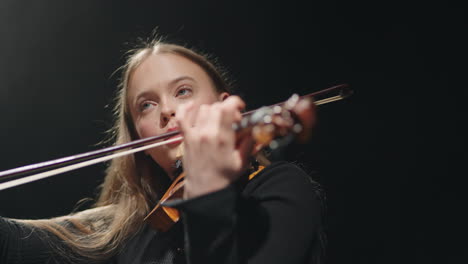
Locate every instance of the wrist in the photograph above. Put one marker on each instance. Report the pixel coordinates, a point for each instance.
(197, 187)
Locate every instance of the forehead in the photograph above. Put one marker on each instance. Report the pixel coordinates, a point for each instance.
(161, 68)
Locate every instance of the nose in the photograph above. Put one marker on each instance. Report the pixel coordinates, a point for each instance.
(167, 112)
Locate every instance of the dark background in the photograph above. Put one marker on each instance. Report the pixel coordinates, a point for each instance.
(374, 153)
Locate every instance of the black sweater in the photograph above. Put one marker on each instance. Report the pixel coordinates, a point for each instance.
(275, 218)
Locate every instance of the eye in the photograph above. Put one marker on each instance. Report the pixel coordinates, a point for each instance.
(184, 91)
(144, 106)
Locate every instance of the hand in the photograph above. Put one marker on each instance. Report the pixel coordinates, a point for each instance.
(213, 157)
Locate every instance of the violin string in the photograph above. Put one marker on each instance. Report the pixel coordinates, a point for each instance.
(53, 172)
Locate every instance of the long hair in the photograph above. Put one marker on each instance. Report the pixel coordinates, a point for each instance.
(132, 183)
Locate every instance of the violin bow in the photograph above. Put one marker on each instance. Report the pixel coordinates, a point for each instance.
(18, 176)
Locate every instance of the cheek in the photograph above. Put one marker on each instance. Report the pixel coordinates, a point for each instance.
(146, 128)
(206, 98)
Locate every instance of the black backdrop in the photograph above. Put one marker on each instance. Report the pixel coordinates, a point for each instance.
(57, 60)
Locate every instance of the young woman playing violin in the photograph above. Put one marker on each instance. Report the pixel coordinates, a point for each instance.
(226, 216)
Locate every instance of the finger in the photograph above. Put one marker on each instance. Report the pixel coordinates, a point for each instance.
(244, 150)
(185, 115)
(206, 116)
(230, 109)
(235, 102)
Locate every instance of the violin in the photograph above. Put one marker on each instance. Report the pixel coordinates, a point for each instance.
(271, 126)
(162, 218)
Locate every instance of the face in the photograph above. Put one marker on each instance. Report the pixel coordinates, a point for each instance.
(156, 88)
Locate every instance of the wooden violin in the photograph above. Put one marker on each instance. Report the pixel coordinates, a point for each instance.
(270, 126)
(162, 218)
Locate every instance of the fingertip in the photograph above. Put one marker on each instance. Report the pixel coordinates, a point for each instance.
(236, 101)
(240, 102)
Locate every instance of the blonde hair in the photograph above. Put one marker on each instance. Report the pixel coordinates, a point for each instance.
(132, 184)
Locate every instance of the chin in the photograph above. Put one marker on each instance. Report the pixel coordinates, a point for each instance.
(174, 154)
(167, 156)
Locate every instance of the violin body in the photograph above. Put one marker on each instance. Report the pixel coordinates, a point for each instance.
(162, 218)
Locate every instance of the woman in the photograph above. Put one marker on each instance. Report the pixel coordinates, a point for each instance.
(226, 218)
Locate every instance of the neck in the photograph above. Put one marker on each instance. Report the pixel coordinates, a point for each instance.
(175, 170)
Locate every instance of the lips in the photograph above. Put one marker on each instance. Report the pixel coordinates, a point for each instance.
(172, 129)
(175, 136)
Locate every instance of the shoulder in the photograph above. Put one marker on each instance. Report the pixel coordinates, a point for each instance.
(11, 227)
(288, 196)
(21, 242)
(281, 172)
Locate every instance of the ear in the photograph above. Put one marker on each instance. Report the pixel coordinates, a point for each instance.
(222, 96)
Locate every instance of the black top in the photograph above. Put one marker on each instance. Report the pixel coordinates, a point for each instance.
(274, 218)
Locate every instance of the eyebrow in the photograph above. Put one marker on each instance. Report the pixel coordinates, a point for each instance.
(182, 78)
